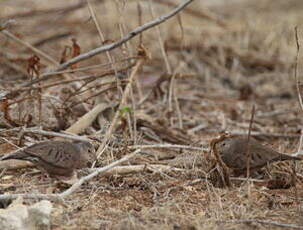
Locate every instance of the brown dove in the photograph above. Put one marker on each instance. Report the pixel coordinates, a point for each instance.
(233, 151)
(57, 158)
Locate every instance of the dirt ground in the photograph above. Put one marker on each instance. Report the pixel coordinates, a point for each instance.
(204, 70)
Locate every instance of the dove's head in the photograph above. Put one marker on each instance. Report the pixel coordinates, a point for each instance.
(87, 150)
(221, 142)
(224, 144)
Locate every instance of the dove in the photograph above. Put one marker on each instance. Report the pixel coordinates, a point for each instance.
(233, 152)
(57, 158)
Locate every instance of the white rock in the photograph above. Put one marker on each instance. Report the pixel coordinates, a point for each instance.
(21, 217)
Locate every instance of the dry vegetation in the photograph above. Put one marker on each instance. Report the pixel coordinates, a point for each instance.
(200, 77)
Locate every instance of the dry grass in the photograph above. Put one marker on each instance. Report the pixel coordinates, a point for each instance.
(243, 54)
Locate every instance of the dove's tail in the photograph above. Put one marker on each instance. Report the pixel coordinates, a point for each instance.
(19, 155)
(286, 157)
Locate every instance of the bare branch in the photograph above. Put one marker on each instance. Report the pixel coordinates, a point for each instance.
(122, 170)
(169, 146)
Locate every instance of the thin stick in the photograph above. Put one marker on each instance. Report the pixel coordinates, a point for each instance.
(127, 169)
(173, 96)
(294, 174)
(248, 152)
(294, 182)
(134, 111)
(170, 94)
(296, 69)
(168, 146)
(138, 84)
(101, 35)
(298, 83)
(55, 134)
(160, 39)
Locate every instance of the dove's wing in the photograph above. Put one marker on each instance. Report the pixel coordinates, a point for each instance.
(56, 153)
(235, 155)
(55, 157)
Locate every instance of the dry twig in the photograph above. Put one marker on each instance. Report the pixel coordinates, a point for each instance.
(168, 146)
(122, 170)
(248, 152)
(298, 83)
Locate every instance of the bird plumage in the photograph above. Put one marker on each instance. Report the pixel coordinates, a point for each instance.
(233, 152)
(56, 157)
